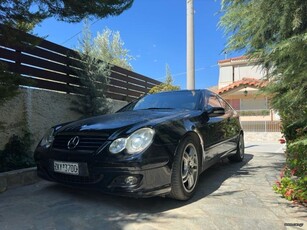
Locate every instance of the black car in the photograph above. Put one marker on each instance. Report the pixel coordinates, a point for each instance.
(156, 145)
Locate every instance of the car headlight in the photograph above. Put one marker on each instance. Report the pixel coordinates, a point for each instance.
(135, 143)
(118, 145)
(47, 139)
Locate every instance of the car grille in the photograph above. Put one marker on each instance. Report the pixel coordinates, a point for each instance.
(88, 143)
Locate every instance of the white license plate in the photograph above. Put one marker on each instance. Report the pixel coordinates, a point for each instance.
(66, 167)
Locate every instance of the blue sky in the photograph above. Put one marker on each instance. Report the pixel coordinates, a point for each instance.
(155, 34)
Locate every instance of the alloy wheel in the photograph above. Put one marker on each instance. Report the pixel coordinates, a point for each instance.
(189, 168)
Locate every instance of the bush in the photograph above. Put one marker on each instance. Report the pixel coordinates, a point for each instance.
(296, 157)
(163, 87)
(16, 153)
(293, 182)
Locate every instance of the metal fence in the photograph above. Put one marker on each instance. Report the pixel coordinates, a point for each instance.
(261, 126)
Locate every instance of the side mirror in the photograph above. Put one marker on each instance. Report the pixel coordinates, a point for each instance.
(216, 111)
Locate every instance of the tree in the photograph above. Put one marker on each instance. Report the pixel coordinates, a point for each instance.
(275, 34)
(167, 85)
(9, 83)
(93, 74)
(18, 12)
(109, 47)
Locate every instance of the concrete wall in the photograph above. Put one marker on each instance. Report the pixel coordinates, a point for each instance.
(38, 110)
(250, 137)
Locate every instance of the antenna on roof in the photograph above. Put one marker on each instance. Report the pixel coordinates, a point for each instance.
(225, 55)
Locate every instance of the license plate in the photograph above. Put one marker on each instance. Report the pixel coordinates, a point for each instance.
(66, 167)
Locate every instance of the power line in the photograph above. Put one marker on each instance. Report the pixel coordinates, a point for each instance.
(68, 39)
(182, 73)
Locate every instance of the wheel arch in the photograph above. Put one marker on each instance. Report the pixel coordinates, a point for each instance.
(200, 142)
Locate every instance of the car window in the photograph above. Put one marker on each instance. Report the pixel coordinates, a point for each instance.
(225, 105)
(213, 101)
(169, 100)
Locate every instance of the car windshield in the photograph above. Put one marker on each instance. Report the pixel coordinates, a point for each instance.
(169, 100)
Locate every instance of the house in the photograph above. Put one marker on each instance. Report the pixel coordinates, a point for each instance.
(240, 81)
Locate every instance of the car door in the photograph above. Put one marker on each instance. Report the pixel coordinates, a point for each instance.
(231, 126)
(212, 129)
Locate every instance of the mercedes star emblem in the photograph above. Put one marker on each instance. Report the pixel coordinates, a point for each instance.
(73, 142)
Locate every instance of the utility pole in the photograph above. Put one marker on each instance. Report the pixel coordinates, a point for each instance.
(190, 45)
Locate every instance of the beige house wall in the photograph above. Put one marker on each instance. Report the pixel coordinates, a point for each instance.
(38, 110)
(235, 71)
(225, 76)
(253, 104)
(248, 71)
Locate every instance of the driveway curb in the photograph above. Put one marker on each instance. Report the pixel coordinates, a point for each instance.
(16, 178)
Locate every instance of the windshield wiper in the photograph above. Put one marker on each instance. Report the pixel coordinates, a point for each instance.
(156, 108)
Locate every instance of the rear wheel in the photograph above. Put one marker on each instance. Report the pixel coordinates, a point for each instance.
(185, 170)
(239, 156)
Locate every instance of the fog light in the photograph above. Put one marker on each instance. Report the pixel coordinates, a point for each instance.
(126, 181)
(131, 180)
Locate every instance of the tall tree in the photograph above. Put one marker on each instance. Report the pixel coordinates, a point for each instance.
(167, 85)
(93, 75)
(17, 12)
(97, 56)
(275, 34)
(109, 47)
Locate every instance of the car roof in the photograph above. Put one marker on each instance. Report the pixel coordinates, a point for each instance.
(186, 90)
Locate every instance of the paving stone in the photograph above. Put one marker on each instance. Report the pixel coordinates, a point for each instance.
(3, 184)
(229, 196)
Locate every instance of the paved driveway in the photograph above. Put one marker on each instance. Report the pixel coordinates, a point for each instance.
(229, 196)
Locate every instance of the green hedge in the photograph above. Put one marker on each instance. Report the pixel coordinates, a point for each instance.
(16, 154)
(293, 178)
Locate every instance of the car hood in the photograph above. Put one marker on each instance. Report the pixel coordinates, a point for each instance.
(128, 121)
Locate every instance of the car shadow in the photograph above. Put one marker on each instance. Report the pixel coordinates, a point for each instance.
(115, 210)
(250, 146)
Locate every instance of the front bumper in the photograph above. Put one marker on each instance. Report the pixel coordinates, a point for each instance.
(149, 182)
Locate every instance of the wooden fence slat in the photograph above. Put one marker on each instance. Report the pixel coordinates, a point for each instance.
(39, 83)
(46, 54)
(123, 91)
(8, 54)
(120, 97)
(30, 71)
(40, 63)
(127, 79)
(128, 85)
(57, 67)
(133, 74)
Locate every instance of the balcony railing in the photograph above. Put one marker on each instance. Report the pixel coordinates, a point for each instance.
(255, 112)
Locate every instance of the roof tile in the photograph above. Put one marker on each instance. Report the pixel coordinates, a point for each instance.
(246, 82)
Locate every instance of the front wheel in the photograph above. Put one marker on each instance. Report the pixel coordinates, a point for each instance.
(185, 170)
(239, 156)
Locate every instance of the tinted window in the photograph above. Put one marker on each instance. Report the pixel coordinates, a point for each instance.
(213, 101)
(169, 100)
(225, 105)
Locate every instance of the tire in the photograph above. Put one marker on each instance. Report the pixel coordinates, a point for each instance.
(239, 156)
(186, 169)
